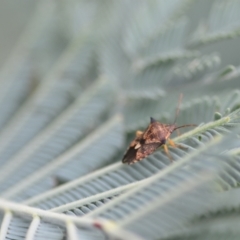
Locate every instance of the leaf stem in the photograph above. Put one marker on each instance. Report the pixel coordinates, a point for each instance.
(203, 128)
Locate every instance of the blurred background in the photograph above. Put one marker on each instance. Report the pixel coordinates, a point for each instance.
(78, 78)
(14, 17)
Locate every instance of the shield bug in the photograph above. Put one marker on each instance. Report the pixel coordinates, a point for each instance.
(156, 135)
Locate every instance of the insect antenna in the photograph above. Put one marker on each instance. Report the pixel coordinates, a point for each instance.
(178, 108)
(176, 115)
(187, 125)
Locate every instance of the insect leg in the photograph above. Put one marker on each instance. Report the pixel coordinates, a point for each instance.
(139, 134)
(167, 152)
(173, 144)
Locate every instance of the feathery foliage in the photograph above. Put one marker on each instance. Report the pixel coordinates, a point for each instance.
(103, 69)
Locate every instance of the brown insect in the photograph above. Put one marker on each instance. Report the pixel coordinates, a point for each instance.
(156, 135)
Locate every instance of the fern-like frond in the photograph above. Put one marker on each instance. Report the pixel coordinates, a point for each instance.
(21, 222)
(155, 207)
(132, 70)
(194, 69)
(88, 204)
(226, 228)
(93, 152)
(159, 48)
(104, 68)
(106, 177)
(158, 14)
(227, 202)
(55, 93)
(19, 71)
(223, 22)
(84, 114)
